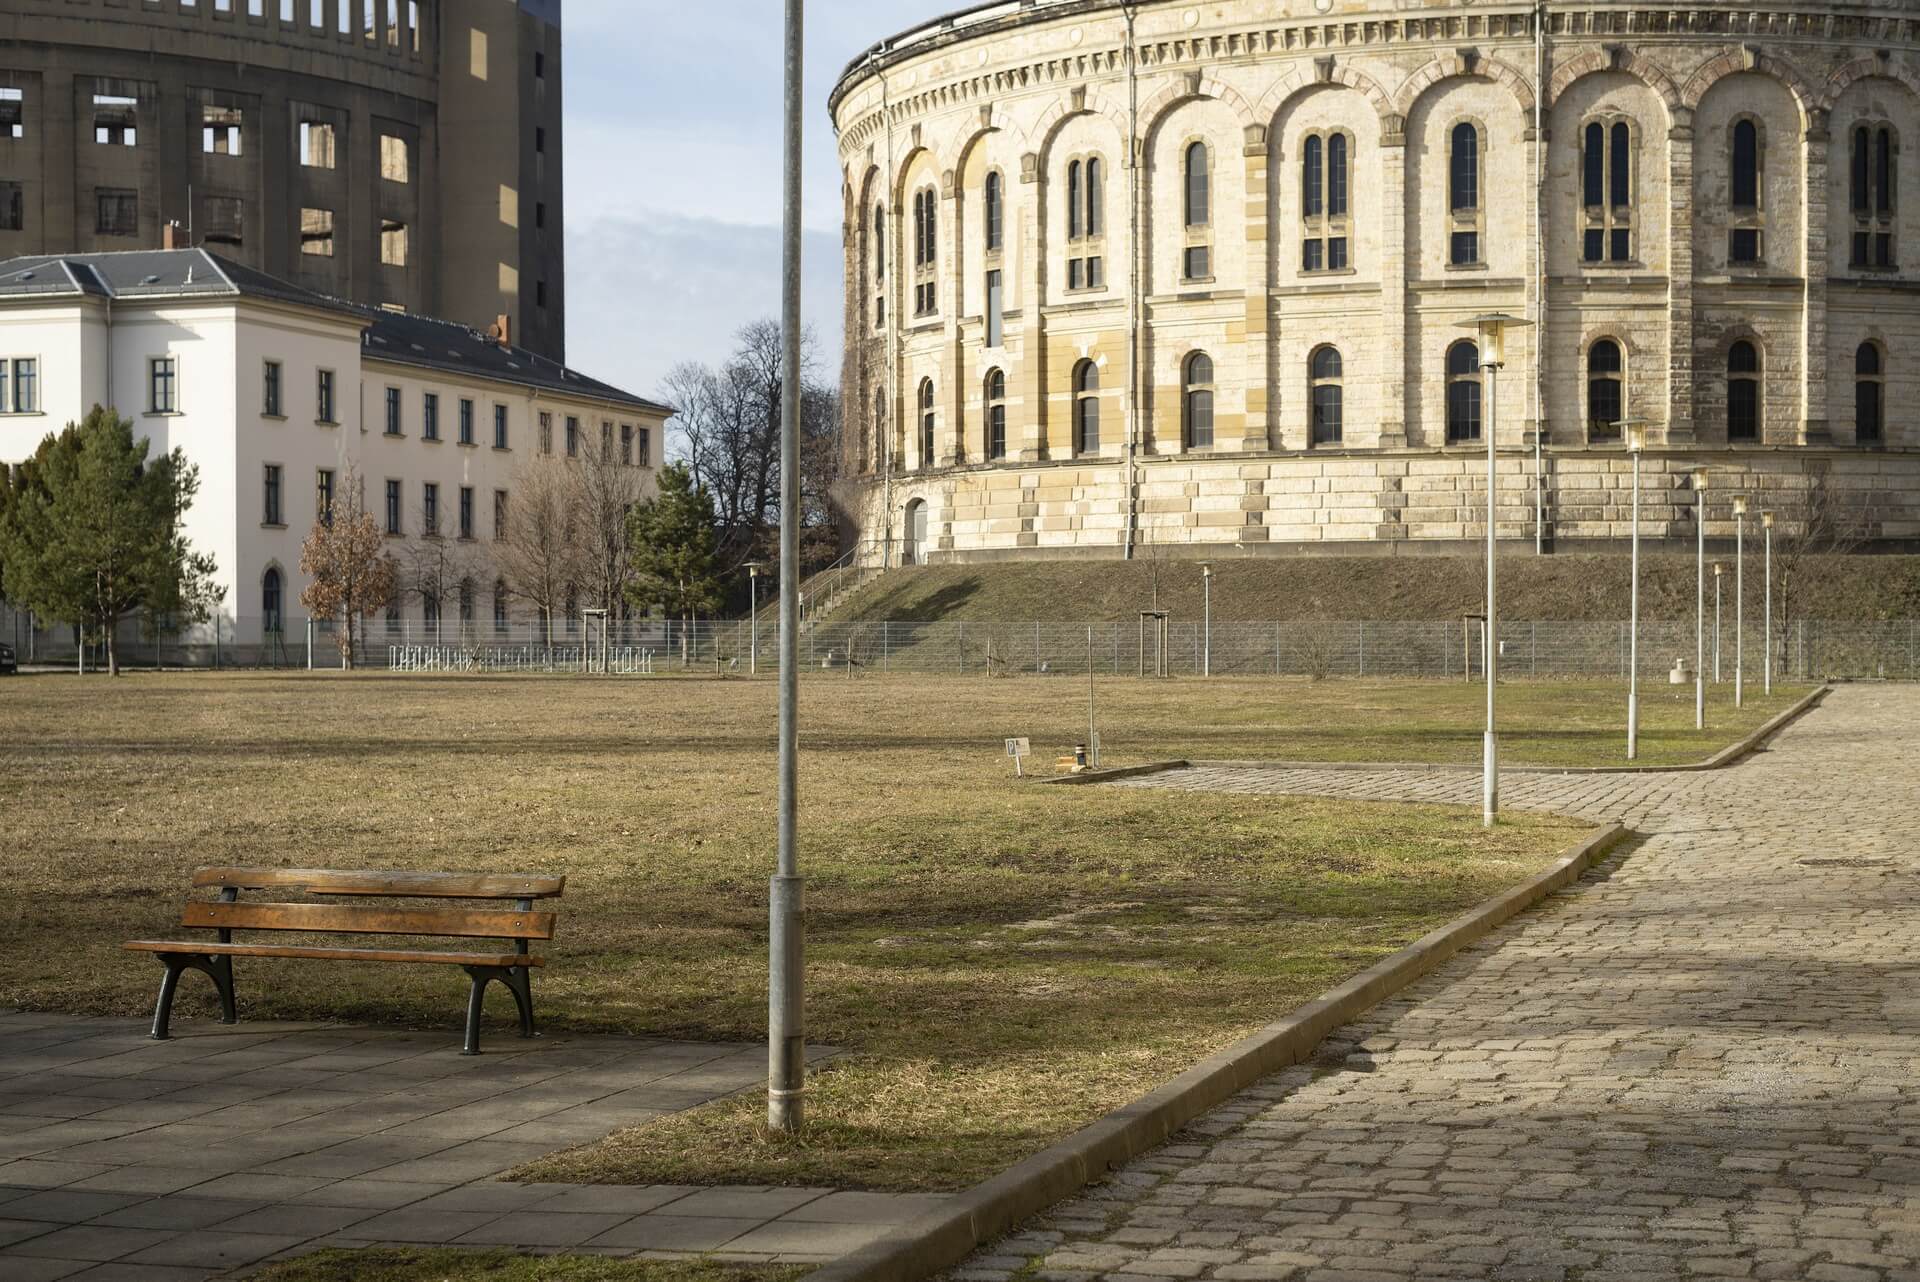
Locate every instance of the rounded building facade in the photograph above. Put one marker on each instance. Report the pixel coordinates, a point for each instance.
(401, 153)
(1122, 276)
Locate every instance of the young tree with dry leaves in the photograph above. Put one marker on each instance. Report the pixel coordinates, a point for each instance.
(539, 552)
(345, 557)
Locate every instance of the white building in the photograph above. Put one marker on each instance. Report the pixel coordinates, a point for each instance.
(274, 392)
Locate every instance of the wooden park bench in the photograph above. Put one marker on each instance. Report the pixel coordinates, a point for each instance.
(512, 966)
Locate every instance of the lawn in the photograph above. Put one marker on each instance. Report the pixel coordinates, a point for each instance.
(1001, 961)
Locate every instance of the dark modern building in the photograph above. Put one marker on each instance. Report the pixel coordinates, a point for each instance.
(402, 153)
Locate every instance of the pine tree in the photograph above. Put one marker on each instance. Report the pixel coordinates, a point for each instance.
(673, 540)
(349, 570)
(91, 531)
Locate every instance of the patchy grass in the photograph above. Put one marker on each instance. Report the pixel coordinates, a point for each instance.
(1003, 962)
(383, 1264)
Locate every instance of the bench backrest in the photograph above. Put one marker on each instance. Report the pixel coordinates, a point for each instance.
(518, 923)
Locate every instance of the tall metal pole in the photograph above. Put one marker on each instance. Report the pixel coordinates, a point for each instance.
(1700, 601)
(786, 1026)
(1766, 524)
(1636, 439)
(1719, 573)
(1739, 603)
(1539, 497)
(1206, 588)
(1490, 744)
(753, 617)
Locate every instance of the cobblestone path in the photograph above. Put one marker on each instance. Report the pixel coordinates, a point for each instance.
(1702, 1061)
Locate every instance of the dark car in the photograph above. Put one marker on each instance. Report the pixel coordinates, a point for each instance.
(8, 664)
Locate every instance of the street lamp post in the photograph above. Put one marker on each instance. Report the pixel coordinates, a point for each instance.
(1490, 331)
(1719, 569)
(1739, 601)
(753, 616)
(1634, 432)
(1700, 600)
(1206, 627)
(1766, 524)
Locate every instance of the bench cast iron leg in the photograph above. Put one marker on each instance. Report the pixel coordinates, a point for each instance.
(519, 982)
(219, 969)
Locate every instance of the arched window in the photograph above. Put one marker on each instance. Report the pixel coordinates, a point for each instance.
(1606, 190)
(926, 422)
(500, 599)
(994, 213)
(272, 611)
(1196, 261)
(1463, 392)
(879, 424)
(1745, 163)
(879, 265)
(1323, 202)
(1872, 190)
(996, 397)
(1463, 194)
(1196, 409)
(1086, 408)
(926, 214)
(1869, 395)
(1326, 396)
(1605, 390)
(1086, 223)
(1743, 392)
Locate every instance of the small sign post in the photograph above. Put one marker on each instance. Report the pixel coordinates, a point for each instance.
(1018, 748)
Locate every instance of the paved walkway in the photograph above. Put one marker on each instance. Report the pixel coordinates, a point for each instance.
(1703, 1061)
(123, 1158)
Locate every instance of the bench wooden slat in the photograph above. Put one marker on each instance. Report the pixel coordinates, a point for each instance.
(202, 948)
(458, 923)
(406, 885)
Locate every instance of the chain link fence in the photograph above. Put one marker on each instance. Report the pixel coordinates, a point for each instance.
(1441, 649)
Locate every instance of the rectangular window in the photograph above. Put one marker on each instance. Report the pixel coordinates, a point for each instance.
(1465, 248)
(393, 411)
(323, 496)
(163, 385)
(1744, 245)
(466, 511)
(606, 441)
(323, 397)
(393, 242)
(1199, 262)
(393, 507)
(466, 421)
(546, 432)
(270, 389)
(116, 212)
(26, 387)
(225, 219)
(1336, 253)
(114, 120)
(646, 447)
(220, 131)
(499, 514)
(316, 232)
(430, 416)
(995, 309)
(13, 115)
(1313, 255)
(316, 144)
(13, 206)
(626, 444)
(430, 509)
(270, 501)
(573, 437)
(395, 164)
(499, 427)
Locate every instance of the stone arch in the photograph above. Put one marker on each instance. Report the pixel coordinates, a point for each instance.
(1156, 109)
(1467, 63)
(897, 185)
(1867, 69)
(1615, 58)
(1324, 72)
(991, 120)
(1749, 58)
(1082, 101)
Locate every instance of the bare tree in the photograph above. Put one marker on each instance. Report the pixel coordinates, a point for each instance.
(441, 573)
(539, 550)
(603, 491)
(1812, 520)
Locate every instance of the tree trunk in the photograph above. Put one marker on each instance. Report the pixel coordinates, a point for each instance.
(113, 649)
(346, 653)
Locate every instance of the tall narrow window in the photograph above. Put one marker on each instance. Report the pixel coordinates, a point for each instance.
(466, 421)
(1196, 405)
(1463, 195)
(501, 597)
(573, 436)
(996, 309)
(1086, 408)
(270, 507)
(323, 496)
(430, 416)
(925, 249)
(323, 397)
(1605, 391)
(926, 422)
(430, 509)
(1606, 191)
(393, 508)
(270, 389)
(116, 212)
(1743, 239)
(626, 445)
(1871, 175)
(272, 609)
(1086, 225)
(546, 432)
(163, 385)
(316, 232)
(1869, 395)
(466, 511)
(1463, 392)
(996, 397)
(499, 514)
(1743, 392)
(879, 265)
(393, 411)
(994, 212)
(1323, 202)
(879, 444)
(1197, 256)
(1327, 396)
(499, 427)
(13, 114)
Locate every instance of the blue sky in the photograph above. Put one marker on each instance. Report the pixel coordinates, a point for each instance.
(673, 174)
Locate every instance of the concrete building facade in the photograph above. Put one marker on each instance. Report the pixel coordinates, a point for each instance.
(402, 153)
(1167, 273)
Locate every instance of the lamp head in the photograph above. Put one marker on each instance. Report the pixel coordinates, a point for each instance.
(1206, 569)
(1766, 520)
(1633, 431)
(1739, 505)
(1491, 329)
(1718, 569)
(1700, 479)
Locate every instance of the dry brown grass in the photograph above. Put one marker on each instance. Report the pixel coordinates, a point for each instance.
(1003, 962)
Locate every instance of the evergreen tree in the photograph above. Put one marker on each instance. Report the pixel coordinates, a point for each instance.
(673, 540)
(91, 530)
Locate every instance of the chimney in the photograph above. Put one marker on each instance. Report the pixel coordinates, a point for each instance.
(171, 237)
(503, 330)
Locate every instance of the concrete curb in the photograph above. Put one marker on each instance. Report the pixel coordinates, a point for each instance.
(990, 1210)
(1118, 772)
(1725, 757)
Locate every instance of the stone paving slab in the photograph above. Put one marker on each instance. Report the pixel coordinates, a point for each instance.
(1701, 1061)
(210, 1154)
